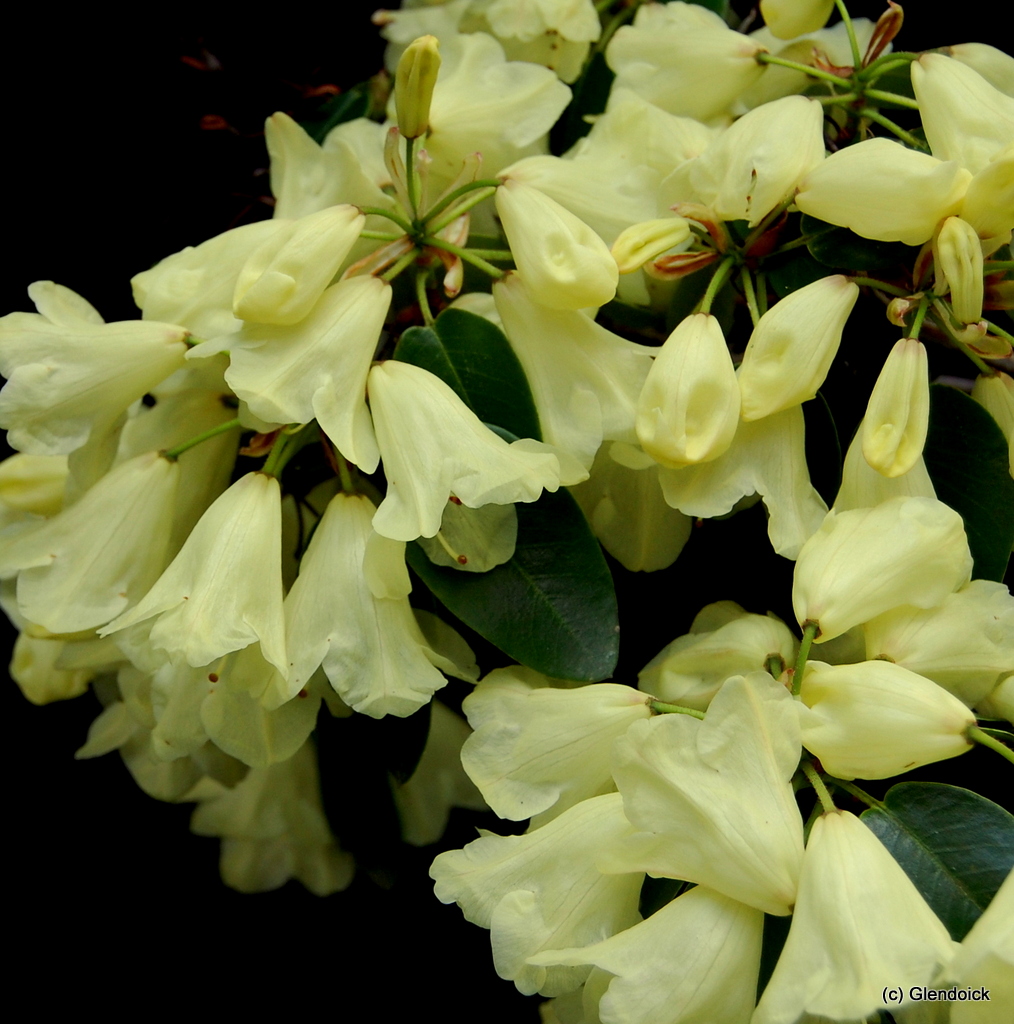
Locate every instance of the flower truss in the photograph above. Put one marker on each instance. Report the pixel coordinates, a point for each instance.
(732, 306)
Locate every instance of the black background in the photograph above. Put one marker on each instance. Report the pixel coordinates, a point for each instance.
(120, 149)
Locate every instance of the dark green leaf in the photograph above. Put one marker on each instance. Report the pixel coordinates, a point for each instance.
(956, 846)
(589, 95)
(845, 250)
(552, 606)
(968, 461)
(720, 7)
(472, 355)
(776, 931)
(346, 106)
(792, 271)
(1005, 736)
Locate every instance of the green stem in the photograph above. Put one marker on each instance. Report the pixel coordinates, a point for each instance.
(718, 279)
(892, 97)
(995, 266)
(378, 211)
(976, 735)
(609, 30)
(810, 630)
(775, 665)
(493, 254)
(871, 74)
(461, 208)
(843, 98)
(801, 240)
(997, 329)
(392, 272)
(275, 462)
(762, 293)
(751, 297)
(827, 76)
(944, 319)
(465, 254)
(920, 316)
(380, 236)
(344, 475)
(857, 57)
(872, 282)
(172, 454)
(661, 708)
(411, 183)
(442, 204)
(818, 784)
(859, 794)
(420, 291)
(886, 122)
(765, 223)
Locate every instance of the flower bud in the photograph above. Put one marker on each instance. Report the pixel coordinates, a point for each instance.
(689, 407)
(957, 254)
(643, 242)
(564, 263)
(897, 417)
(792, 346)
(284, 277)
(875, 719)
(413, 86)
(917, 544)
(790, 18)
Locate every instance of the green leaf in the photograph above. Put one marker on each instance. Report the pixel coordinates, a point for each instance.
(845, 250)
(793, 270)
(473, 357)
(956, 846)
(552, 606)
(589, 96)
(823, 448)
(346, 106)
(968, 461)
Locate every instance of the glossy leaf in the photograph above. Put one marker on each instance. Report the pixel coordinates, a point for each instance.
(472, 356)
(346, 106)
(845, 250)
(967, 459)
(552, 606)
(956, 846)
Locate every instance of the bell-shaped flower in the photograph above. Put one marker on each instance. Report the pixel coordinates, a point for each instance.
(917, 544)
(685, 59)
(67, 382)
(88, 564)
(32, 485)
(860, 929)
(995, 393)
(366, 637)
(712, 800)
(719, 942)
(880, 189)
(433, 446)
(966, 644)
(195, 286)
(989, 202)
(564, 263)
(483, 102)
(585, 384)
(766, 457)
(692, 669)
(316, 368)
(540, 750)
(35, 667)
(543, 890)
(792, 346)
(223, 591)
(307, 177)
(689, 407)
(755, 164)
(790, 18)
(273, 828)
(965, 118)
(863, 487)
(284, 276)
(957, 255)
(994, 65)
(629, 515)
(875, 720)
(438, 783)
(897, 416)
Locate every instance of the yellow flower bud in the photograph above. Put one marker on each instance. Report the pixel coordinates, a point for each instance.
(958, 258)
(413, 86)
(644, 241)
(788, 19)
(897, 416)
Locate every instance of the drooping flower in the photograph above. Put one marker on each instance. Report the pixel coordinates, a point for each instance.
(860, 927)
